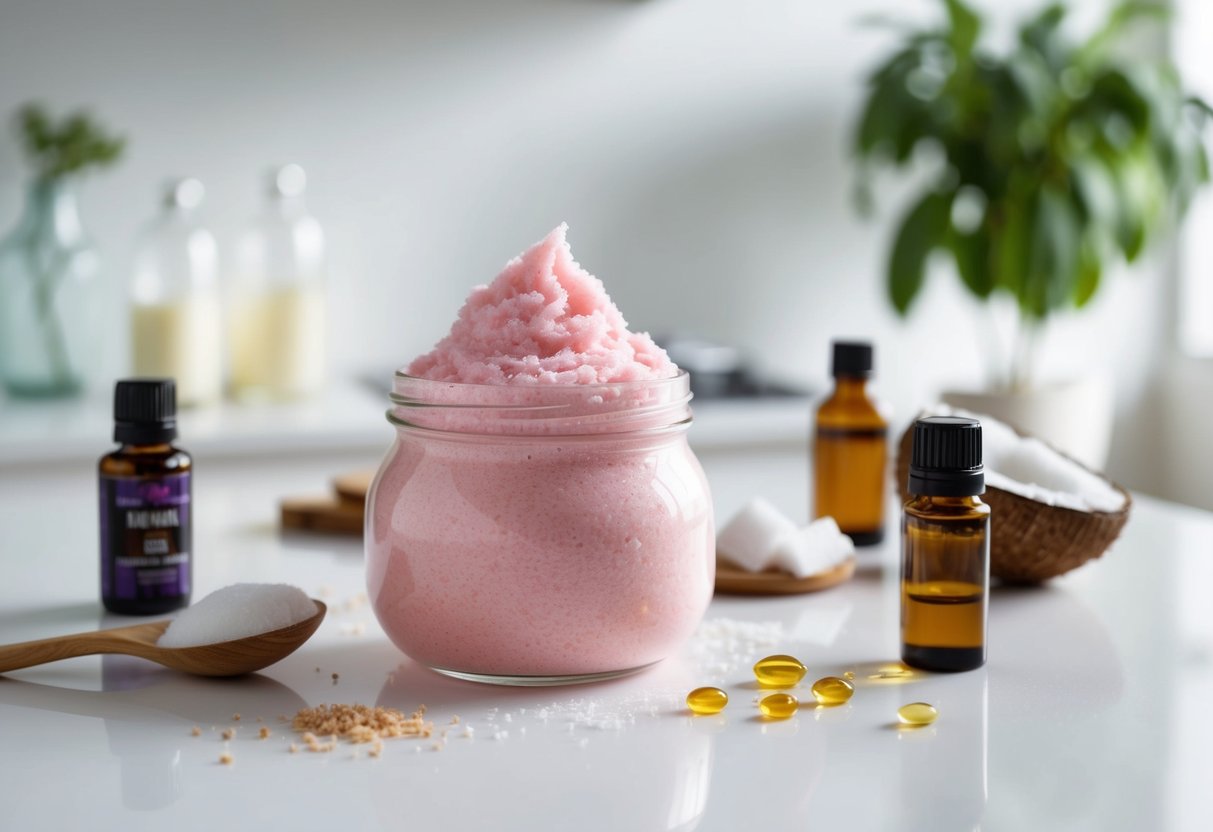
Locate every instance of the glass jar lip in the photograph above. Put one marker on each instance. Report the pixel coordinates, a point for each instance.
(637, 406)
(681, 378)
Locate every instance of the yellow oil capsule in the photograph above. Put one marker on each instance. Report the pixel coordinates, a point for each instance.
(917, 713)
(779, 671)
(707, 700)
(778, 705)
(830, 690)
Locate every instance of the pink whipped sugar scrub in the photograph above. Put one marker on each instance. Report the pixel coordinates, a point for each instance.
(540, 518)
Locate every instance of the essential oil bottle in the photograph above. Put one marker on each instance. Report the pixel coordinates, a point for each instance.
(945, 579)
(146, 510)
(850, 448)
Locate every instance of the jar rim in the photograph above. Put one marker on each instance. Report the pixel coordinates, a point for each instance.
(638, 406)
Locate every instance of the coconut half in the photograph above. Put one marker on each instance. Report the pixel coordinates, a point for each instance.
(1049, 513)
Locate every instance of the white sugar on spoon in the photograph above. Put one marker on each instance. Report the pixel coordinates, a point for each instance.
(238, 611)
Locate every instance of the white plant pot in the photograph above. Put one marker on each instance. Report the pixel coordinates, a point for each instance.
(1074, 417)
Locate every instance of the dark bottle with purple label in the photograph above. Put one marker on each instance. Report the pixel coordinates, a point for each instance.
(146, 509)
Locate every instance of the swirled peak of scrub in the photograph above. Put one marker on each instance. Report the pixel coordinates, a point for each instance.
(543, 320)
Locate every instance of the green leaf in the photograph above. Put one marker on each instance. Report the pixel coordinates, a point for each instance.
(1140, 197)
(1090, 269)
(1095, 189)
(921, 231)
(1010, 222)
(880, 122)
(971, 252)
(893, 120)
(1122, 15)
(1056, 234)
(1040, 34)
(965, 27)
(1114, 91)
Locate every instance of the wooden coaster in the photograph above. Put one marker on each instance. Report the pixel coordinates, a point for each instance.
(733, 580)
(352, 488)
(321, 514)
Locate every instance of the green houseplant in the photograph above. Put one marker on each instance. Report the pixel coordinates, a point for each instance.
(48, 264)
(1059, 157)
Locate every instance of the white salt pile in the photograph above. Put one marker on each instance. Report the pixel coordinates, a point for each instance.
(238, 611)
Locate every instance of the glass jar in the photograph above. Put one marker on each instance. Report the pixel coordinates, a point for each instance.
(540, 534)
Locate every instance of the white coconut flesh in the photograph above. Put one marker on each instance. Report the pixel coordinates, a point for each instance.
(1029, 468)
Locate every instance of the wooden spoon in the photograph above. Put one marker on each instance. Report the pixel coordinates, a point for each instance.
(223, 658)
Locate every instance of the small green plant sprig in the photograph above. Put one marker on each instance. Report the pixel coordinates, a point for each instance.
(1057, 158)
(70, 145)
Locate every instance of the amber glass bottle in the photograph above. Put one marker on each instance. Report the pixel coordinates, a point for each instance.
(849, 449)
(146, 515)
(945, 577)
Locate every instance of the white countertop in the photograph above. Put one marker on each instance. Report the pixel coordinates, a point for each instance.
(1092, 713)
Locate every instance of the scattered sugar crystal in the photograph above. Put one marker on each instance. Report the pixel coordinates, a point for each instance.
(238, 611)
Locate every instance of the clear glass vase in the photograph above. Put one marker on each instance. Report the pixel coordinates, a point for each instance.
(48, 296)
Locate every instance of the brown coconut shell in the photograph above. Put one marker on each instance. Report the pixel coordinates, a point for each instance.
(1031, 542)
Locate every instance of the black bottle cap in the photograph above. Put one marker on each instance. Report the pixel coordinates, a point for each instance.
(852, 359)
(946, 460)
(145, 411)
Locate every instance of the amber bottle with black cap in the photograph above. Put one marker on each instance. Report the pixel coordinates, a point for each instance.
(945, 577)
(850, 448)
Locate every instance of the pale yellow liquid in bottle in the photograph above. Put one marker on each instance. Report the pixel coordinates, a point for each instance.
(278, 343)
(182, 340)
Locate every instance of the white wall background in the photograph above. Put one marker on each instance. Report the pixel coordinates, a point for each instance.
(698, 148)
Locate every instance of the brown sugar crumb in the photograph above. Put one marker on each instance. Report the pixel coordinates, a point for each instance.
(235, 717)
(376, 748)
(229, 733)
(363, 733)
(360, 723)
(335, 678)
(225, 758)
(455, 719)
(195, 731)
(317, 670)
(264, 733)
(294, 749)
(259, 719)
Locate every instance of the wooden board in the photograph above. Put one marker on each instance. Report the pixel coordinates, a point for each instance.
(352, 487)
(733, 580)
(322, 514)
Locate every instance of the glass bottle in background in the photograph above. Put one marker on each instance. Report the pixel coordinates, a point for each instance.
(176, 327)
(850, 448)
(278, 306)
(945, 579)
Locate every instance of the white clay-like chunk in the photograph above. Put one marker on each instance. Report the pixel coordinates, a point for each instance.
(750, 538)
(816, 548)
